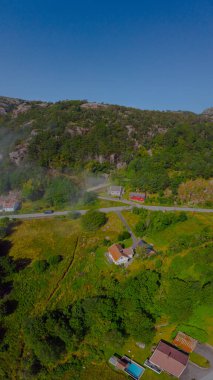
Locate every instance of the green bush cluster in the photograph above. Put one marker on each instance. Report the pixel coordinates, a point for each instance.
(157, 221)
(93, 220)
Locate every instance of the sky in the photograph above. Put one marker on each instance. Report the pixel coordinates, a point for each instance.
(149, 54)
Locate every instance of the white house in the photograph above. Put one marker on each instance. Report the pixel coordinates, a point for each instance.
(120, 255)
(9, 203)
(116, 191)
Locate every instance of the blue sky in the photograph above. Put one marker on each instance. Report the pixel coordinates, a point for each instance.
(147, 54)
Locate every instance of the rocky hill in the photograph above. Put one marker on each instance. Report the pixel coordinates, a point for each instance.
(155, 149)
(104, 132)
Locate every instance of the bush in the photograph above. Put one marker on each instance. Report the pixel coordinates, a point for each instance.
(89, 198)
(4, 225)
(74, 215)
(60, 191)
(158, 264)
(107, 242)
(53, 260)
(124, 235)
(40, 266)
(93, 219)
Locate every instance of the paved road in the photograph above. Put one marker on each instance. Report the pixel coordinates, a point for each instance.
(109, 209)
(193, 372)
(97, 187)
(123, 220)
(157, 208)
(61, 213)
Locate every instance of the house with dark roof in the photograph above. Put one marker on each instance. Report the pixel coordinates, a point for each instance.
(120, 255)
(169, 358)
(148, 248)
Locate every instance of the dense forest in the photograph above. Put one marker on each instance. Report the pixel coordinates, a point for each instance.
(148, 151)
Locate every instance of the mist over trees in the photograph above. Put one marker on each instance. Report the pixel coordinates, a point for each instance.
(145, 150)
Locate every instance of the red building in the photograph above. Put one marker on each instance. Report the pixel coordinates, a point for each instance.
(139, 197)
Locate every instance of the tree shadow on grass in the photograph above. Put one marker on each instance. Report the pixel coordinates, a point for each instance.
(9, 266)
(6, 288)
(22, 264)
(5, 247)
(12, 226)
(11, 306)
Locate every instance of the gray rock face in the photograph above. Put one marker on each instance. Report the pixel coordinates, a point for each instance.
(17, 106)
(208, 111)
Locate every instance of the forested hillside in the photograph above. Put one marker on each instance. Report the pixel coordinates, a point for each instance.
(151, 151)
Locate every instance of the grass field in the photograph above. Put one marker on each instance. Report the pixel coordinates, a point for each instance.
(83, 268)
(41, 205)
(199, 360)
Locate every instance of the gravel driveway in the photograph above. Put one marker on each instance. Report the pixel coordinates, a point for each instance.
(193, 372)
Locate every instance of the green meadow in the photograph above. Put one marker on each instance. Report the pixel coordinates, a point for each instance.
(84, 274)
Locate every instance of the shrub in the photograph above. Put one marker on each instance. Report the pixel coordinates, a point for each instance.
(59, 191)
(53, 260)
(124, 235)
(158, 264)
(107, 242)
(40, 266)
(74, 215)
(89, 198)
(93, 219)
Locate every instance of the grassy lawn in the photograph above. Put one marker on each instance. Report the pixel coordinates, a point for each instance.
(84, 255)
(162, 239)
(199, 360)
(41, 205)
(40, 239)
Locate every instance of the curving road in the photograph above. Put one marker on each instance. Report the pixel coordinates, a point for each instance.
(109, 209)
(157, 208)
(39, 215)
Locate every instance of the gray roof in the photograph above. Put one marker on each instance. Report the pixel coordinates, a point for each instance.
(113, 360)
(116, 188)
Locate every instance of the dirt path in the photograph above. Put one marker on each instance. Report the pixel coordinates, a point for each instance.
(123, 220)
(64, 274)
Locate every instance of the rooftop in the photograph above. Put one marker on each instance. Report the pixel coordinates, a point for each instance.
(185, 342)
(116, 251)
(116, 188)
(142, 195)
(169, 358)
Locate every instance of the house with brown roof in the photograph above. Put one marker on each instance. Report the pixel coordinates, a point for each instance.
(185, 342)
(169, 358)
(120, 255)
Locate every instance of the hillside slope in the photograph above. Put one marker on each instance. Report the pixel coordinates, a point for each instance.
(154, 150)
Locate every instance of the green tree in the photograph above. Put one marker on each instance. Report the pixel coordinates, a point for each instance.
(93, 220)
(60, 191)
